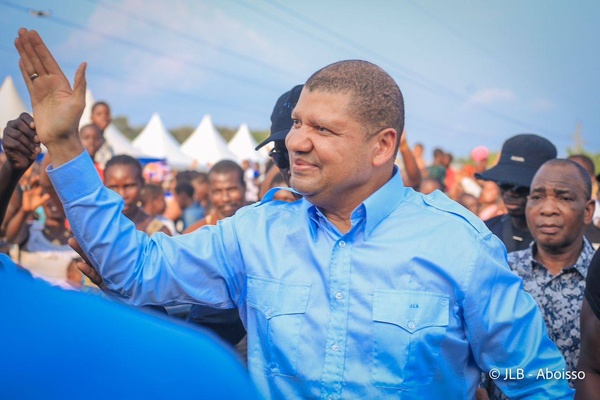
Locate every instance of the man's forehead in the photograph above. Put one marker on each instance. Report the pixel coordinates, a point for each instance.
(308, 96)
(231, 177)
(556, 177)
(90, 129)
(323, 107)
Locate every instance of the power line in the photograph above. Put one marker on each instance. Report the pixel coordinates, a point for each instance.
(194, 39)
(157, 88)
(415, 77)
(265, 14)
(503, 61)
(147, 49)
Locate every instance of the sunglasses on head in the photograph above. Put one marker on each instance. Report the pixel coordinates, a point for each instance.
(280, 157)
(509, 187)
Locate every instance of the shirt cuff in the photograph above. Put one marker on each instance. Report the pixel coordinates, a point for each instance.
(75, 179)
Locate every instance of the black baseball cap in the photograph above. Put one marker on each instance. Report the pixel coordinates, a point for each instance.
(521, 156)
(281, 118)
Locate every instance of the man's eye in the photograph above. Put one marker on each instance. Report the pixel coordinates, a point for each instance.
(295, 121)
(321, 129)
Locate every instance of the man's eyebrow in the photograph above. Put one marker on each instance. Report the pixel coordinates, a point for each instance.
(563, 191)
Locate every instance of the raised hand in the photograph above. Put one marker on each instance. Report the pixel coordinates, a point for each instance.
(85, 266)
(33, 195)
(21, 143)
(56, 107)
(403, 141)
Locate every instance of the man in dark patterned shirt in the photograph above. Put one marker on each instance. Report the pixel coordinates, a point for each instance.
(555, 265)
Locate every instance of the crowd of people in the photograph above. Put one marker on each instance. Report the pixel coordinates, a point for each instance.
(377, 274)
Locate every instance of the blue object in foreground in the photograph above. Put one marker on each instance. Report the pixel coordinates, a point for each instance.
(64, 344)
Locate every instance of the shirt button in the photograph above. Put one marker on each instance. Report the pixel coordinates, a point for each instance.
(268, 314)
(342, 244)
(335, 347)
(339, 295)
(411, 325)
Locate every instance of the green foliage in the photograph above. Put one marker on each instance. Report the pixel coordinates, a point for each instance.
(183, 132)
(122, 123)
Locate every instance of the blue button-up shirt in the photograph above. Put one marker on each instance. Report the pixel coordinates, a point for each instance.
(412, 302)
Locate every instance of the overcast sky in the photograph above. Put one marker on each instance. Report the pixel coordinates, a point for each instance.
(472, 72)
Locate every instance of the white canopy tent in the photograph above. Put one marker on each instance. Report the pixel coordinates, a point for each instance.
(206, 145)
(157, 142)
(242, 145)
(11, 104)
(120, 144)
(114, 137)
(86, 117)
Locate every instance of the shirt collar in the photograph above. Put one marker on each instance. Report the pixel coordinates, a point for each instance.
(375, 208)
(582, 263)
(273, 191)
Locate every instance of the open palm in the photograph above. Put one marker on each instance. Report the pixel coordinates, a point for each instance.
(56, 107)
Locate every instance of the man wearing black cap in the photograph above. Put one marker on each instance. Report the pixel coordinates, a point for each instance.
(281, 123)
(521, 157)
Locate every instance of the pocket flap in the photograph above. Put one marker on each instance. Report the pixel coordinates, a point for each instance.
(274, 297)
(411, 310)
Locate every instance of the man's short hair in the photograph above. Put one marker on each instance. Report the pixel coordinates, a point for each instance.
(437, 152)
(100, 103)
(584, 161)
(184, 187)
(124, 159)
(151, 191)
(92, 126)
(228, 167)
(201, 177)
(187, 175)
(583, 174)
(376, 102)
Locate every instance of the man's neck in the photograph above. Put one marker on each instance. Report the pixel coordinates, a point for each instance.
(339, 213)
(519, 222)
(555, 260)
(341, 221)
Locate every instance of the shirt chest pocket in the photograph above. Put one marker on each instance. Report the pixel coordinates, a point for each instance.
(409, 327)
(279, 308)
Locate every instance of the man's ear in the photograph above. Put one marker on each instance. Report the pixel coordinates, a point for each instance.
(385, 146)
(590, 207)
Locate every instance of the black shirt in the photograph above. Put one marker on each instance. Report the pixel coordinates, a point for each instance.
(592, 284)
(592, 233)
(514, 239)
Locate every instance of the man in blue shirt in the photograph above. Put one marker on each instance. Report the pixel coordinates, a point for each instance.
(341, 292)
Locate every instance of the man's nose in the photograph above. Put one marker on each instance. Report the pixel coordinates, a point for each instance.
(298, 140)
(549, 206)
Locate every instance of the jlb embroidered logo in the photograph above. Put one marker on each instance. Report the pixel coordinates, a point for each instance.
(414, 306)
